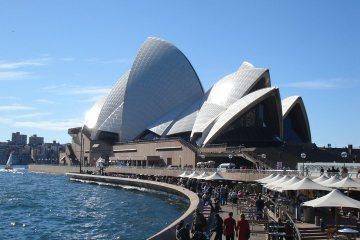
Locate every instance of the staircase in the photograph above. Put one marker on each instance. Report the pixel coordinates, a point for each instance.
(311, 233)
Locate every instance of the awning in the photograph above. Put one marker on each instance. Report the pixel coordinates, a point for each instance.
(306, 184)
(203, 175)
(330, 181)
(184, 174)
(265, 178)
(214, 176)
(334, 199)
(280, 186)
(194, 174)
(321, 179)
(277, 177)
(281, 180)
(346, 183)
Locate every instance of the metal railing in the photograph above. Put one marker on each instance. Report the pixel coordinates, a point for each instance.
(296, 231)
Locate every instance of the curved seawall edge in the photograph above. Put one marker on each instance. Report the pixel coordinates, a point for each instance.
(168, 233)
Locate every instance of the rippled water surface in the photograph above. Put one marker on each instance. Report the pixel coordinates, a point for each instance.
(44, 206)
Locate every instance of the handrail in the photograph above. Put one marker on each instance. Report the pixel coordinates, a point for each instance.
(294, 227)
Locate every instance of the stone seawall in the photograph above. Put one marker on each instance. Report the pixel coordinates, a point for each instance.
(57, 169)
(167, 233)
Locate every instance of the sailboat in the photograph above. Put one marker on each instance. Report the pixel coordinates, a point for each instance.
(9, 163)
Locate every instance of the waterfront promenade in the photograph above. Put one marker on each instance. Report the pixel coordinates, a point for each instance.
(232, 174)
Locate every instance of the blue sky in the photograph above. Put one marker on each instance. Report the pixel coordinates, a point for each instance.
(58, 57)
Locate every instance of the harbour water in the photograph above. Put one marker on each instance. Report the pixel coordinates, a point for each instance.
(44, 206)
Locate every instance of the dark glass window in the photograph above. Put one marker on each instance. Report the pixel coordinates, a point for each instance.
(257, 127)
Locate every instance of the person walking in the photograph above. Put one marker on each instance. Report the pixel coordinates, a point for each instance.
(229, 227)
(218, 229)
(243, 228)
(259, 208)
(182, 231)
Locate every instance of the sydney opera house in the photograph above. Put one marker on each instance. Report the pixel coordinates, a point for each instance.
(158, 113)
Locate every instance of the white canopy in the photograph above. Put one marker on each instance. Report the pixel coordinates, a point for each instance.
(281, 180)
(320, 179)
(265, 178)
(100, 160)
(293, 180)
(306, 184)
(184, 174)
(346, 183)
(203, 175)
(277, 177)
(194, 174)
(214, 176)
(330, 181)
(334, 199)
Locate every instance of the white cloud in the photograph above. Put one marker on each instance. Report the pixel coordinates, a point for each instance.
(13, 75)
(5, 120)
(104, 61)
(46, 101)
(15, 107)
(32, 115)
(318, 84)
(50, 125)
(92, 99)
(67, 59)
(76, 90)
(23, 63)
(90, 91)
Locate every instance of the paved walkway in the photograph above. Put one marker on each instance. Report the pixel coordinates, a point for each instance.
(257, 230)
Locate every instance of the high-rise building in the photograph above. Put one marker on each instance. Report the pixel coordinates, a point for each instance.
(35, 141)
(19, 139)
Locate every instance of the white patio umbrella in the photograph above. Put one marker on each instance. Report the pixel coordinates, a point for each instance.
(194, 174)
(346, 183)
(305, 184)
(214, 176)
(277, 177)
(320, 179)
(330, 181)
(203, 175)
(333, 199)
(184, 174)
(281, 180)
(279, 187)
(265, 178)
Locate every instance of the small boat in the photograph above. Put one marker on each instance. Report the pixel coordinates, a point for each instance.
(9, 163)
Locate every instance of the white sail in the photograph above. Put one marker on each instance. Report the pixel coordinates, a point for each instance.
(9, 161)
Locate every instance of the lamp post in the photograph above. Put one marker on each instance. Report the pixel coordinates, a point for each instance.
(303, 156)
(81, 147)
(344, 155)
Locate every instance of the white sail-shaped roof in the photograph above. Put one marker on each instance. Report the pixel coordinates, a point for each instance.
(295, 105)
(227, 91)
(161, 79)
(241, 106)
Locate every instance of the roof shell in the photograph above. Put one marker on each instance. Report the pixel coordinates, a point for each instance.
(240, 107)
(228, 90)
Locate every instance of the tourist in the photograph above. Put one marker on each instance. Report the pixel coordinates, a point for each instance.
(218, 229)
(182, 231)
(288, 231)
(243, 228)
(222, 195)
(321, 171)
(259, 207)
(198, 235)
(229, 227)
(199, 223)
